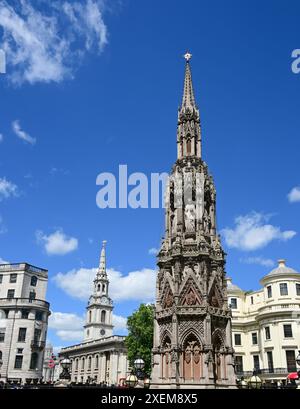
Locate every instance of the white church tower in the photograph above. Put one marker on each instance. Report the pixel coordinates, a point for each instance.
(100, 306)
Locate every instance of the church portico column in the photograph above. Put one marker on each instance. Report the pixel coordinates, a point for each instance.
(114, 358)
(102, 367)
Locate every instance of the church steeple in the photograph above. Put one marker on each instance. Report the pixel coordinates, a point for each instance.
(188, 130)
(100, 306)
(102, 264)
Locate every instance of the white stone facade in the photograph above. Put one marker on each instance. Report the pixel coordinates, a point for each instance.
(101, 361)
(266, 324)
(23, 320)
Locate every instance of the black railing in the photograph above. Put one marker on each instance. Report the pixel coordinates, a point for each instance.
(20, 301)
(275, 371)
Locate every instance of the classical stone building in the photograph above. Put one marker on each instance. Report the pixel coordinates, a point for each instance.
(266, 324)
(24, 315)
(192, 327)
(102, 356)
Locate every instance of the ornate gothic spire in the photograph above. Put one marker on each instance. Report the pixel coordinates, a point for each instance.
(188, 99)
(188, 130)
(102, 265)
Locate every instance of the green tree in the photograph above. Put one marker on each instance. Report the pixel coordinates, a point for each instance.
(139, 341)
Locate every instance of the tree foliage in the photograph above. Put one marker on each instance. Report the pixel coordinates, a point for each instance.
(139, 341)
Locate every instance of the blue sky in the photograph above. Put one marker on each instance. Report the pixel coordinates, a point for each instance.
(99, 85)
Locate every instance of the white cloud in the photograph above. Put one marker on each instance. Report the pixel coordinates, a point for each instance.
(2, 227)
(266, 262)
(7, 189)
(153, 251)
(1, 137)
(251, 232)
(68, 326)
(57, 243)
(3, 261)
(294, 195)
(56, 349)
(22, 134)
(120, 323)
(45, 41)
(137, 285)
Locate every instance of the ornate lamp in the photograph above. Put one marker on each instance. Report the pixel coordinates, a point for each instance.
(146, 383)
(255, 381)
(66, 365)
(131, 381)
(243, 383)
(139, 365)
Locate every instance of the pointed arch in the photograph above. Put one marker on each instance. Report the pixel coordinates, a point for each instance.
(218, 341)
(191, 356)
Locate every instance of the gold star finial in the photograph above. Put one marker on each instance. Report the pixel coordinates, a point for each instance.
(187, 56)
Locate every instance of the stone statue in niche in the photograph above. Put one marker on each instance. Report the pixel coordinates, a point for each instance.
(214, 301)
(191, 298)
(206, 222)
(196, 354)
(174, 223)
(169, 300)
(189, 218)
(187, 354)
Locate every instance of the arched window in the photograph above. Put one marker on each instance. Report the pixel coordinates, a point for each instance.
(96, 361)
(82, 363)
(76, 364)
(103, 316)
(103, 287)
(1, 355)
(98, 287)
(90, 363)
(33, 281)
(90, 316)
(34, 360)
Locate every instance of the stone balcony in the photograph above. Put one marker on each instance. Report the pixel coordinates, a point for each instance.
(23, 302)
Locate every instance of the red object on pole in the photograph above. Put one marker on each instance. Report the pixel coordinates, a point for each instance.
(51, 363)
